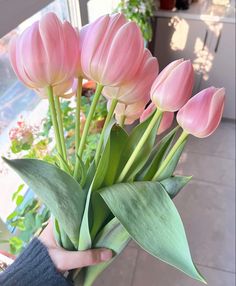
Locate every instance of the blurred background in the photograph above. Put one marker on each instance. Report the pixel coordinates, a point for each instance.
(203, 31)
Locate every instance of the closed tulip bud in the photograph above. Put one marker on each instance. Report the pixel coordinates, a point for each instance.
(173, 86)
(45, 53)
(166, 121)
(112, 50)
(138, 89)
(130, 112)
(201, 115)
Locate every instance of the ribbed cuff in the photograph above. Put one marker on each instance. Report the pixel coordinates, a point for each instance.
(33, 267)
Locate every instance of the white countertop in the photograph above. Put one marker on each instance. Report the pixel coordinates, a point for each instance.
(203, 10)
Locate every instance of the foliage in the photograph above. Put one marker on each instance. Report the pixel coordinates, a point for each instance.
(142, 210)
(140, 12)
(34, 143)
(28, 218)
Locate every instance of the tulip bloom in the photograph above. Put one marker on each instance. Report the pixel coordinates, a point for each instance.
(173, 86)
(166, 121)
(112, 50)
(80, 36)
(130, 113)
(138, 89)
(45, 54)
(201, 115)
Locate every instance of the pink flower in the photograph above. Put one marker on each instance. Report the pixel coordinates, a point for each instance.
(45, 53)
(201, 115)
(167, 118)
(173, 86)
(131, 112)
(80, 36)
(112, 50)
(139, 87)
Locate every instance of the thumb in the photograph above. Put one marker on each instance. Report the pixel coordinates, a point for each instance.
(66, 260)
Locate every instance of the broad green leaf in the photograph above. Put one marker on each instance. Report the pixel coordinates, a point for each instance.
(85, 237)
(156, 157)
(170, 168)
(118, 140)
(65, 241)
(112, 236)
(144, 153)
(82, 172)
(150, 217)
(58, 190)
(90, 175)
(174, 185)
(56, 231)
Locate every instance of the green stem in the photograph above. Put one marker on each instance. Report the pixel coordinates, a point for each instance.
(122, 121)
(54, 119)
(86, 127)
(137, 149)
(108, 119)
(60, 126)
(78, 107)
(170, 155)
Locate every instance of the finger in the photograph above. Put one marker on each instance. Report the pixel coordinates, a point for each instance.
(66, 260)
(47, 237)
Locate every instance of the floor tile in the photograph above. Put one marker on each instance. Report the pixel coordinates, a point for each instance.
(221, 143)
(151, 272)
(207, 168)
(207, 211)
(120, 272)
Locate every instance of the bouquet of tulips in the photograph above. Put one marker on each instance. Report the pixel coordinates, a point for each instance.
(126, 191)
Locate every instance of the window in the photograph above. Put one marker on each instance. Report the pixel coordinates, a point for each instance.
(17, 100)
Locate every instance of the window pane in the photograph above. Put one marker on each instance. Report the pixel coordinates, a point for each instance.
(17, 100)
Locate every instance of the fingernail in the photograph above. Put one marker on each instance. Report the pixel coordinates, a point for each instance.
(106, 255)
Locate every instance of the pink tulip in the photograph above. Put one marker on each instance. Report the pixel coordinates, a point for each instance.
(45, 53)
(201, 115)
(138, 89)
(166, 121)
(173, 86)
(112, 50)
(131, 112)
(81, 35)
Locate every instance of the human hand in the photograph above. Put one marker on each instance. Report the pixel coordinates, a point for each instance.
(66, 260)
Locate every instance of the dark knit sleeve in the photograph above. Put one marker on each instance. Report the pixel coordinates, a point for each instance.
(33, 267)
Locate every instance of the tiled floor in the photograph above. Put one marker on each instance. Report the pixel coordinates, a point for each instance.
(207, 207)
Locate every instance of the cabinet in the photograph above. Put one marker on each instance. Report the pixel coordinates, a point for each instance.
(222, 71)
(209, 45)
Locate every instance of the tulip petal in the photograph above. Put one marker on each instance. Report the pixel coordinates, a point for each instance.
(125, 55)
(201, 115)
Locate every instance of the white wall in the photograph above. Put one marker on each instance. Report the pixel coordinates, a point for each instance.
(98, 8)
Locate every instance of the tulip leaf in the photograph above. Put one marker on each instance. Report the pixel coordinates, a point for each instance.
(95, 215)
(113, 236)
(156, 157)
(175, 184)
(144, 153)
(82, 172)
(58, 190)
(170, 168)
(118, 139)
(148, 214)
